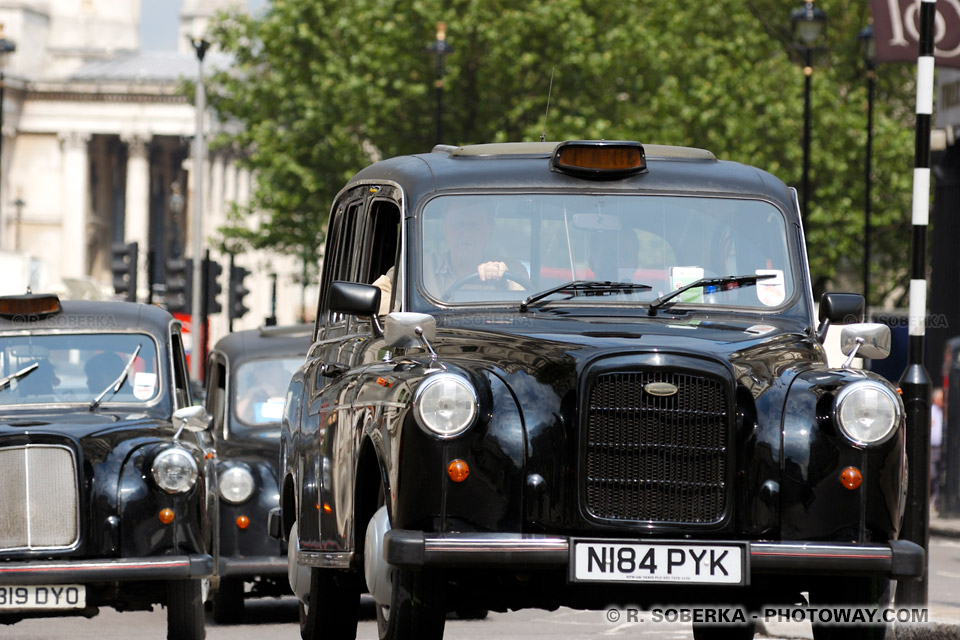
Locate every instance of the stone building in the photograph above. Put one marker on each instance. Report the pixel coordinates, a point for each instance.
(96, 150)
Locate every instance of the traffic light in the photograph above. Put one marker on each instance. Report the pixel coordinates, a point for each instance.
(179, 285)
(237, 292)
(123, 264)
(212, 272)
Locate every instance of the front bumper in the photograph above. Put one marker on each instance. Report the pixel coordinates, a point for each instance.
(412, 549)
(102, 570)
(256, 566)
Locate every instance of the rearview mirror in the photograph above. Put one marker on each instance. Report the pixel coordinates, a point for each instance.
(839, 308)
(193, 418)
(406, 329)
(866, 340)
(354, 298)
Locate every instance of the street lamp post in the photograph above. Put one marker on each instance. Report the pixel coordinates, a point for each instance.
(6, 48)
(196, 317)
(869, 50)
(440, 48)
(807, 24)
(19, 204)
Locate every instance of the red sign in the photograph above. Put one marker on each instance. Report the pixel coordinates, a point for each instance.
(896, 31)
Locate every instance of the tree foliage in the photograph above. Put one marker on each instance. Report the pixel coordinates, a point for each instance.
(322, 87)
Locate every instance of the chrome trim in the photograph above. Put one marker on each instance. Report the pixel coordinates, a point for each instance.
(492, 544)
(805, 267)
(80, 570)
(76, 542)
(335, 560)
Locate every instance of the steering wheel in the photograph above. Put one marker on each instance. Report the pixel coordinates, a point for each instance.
(474, 278)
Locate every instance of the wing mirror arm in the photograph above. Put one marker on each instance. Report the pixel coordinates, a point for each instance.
(822, 330)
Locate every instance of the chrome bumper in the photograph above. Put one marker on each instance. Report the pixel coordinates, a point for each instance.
(411, 549)
(121, 570)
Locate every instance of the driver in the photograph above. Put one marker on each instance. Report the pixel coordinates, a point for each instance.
(467, 231)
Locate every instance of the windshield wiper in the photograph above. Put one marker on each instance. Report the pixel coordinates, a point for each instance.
(589, 287)
(19, 374)
(116, 384)
(740, 281)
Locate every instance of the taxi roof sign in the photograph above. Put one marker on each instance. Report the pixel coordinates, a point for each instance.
(600, 158)
(30, 305)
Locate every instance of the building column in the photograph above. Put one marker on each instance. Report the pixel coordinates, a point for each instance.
(136, 219)
(75, 193)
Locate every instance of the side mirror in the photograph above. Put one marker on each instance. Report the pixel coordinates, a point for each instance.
(193, 418)
(866, 339)
(839, 308)
(354, 298)
(406, 329)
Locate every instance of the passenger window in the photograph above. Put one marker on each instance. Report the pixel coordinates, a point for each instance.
(216, 393)
(181, 380)
(383, 252)
(339, 262)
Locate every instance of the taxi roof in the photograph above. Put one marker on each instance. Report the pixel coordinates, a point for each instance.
(103, 316)
(280, 341)
(526, 165)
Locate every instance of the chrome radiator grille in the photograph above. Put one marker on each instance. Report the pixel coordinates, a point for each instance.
(655, 458)
(38, 497)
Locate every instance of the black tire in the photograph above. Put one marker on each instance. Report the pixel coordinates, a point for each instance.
(228, 602)
(724, 631)
(853, 592)
(332, 608)
(185, 610)
(416, 606)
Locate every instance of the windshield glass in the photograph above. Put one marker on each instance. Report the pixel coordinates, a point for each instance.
(505, 247)
(77, 368)
(260, 389)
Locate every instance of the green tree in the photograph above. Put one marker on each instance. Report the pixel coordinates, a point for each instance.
(321, 88)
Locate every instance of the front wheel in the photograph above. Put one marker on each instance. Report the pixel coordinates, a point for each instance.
(228, 602)
(416, 607)
(866, 593)
(331, 609)
(185, 610)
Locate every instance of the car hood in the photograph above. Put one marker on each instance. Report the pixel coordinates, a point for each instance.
(97, 434)
(553, 349)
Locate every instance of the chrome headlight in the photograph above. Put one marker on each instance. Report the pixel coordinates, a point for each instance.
(445, 404)
(867, 412)
(236, 484)
(174, 470)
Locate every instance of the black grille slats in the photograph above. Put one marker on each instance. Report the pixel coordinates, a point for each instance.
(656, 458)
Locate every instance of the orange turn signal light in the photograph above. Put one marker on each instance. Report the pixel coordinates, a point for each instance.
(166, 516)
(458, 470)
(851, 478)
(327, 508)
(243, 522)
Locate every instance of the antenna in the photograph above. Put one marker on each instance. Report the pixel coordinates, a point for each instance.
(543, 136)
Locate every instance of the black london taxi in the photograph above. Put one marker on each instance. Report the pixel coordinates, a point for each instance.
(583, 374)
(248, 373)
(108, 493)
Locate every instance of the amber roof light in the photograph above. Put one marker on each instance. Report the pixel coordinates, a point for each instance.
(599, 158)
(36, 305)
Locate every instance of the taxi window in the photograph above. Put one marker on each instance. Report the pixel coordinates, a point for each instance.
(259, 390)
(531, 242)
(78, 368)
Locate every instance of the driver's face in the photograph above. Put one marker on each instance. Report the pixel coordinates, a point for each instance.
(467, 231)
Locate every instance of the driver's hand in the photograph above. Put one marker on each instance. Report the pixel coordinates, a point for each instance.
(491, 270)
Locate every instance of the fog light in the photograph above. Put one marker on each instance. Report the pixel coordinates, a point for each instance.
(851, 478)
(166, 516)
(243, 522)
(458, 470)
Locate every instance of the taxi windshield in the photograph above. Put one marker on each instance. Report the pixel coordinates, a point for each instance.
(260, 389)
(496, 248)
(78, 368)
